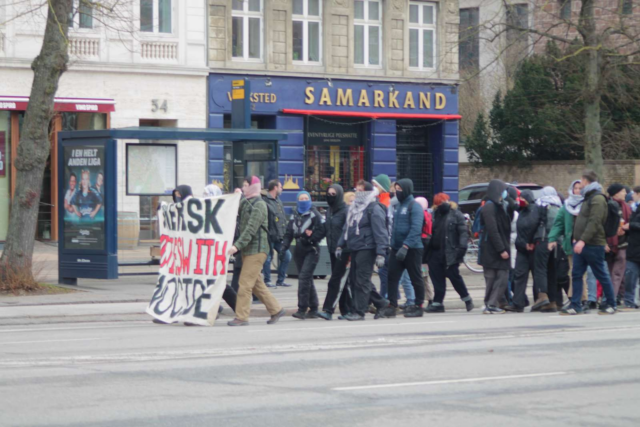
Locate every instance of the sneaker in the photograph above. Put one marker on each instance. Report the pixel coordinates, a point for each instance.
(493, 310)
(469, 305)
(414, 311)
(237, 322)
(300, 315)
(593, 305)
(324, 315)
(607, 310)
(549, 308)
(543, 300)
(353, 317)
(514, 309)
(284, 285)
(312, 314)
(269, 285)
(570, 311)
(274, 319)
(341, 317)
(586, 307)
(434, 309)
(372, 309)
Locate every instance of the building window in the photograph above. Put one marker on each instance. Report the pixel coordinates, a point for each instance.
(155, 16)
(627, 7)
(565, 9)
(368, 33)
(422, 35)
(517, 18)
(81, 14)
(307, 24)
(246, 28)
(469, 50)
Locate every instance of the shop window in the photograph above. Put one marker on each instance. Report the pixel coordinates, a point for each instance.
(156, 16)
(246, 29)
(422, 35)
(565, 9)
(307, 25)
(84, 121)
(368, 33)
(81, 14)
(469, 49)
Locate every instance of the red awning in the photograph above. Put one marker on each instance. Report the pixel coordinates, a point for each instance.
(79, 105)
(372, 115)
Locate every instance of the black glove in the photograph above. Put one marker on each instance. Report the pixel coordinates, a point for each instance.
(402, 253)
(338, 253)
(380, 261)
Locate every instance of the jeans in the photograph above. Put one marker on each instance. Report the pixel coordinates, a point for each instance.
(592, 285)
(306, 261)
(338, 269)
(631, 276)
(360, 279)
(439, 273)
(408, 288)
(283, 263)
(413, 264)
(591, 256)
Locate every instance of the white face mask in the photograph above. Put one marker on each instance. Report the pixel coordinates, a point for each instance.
(376, 192)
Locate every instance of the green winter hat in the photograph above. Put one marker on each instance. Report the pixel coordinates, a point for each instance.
(383, 181)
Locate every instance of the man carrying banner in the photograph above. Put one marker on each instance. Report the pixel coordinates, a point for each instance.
(254, 244)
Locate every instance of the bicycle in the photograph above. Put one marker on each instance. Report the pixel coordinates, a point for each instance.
(471, 257)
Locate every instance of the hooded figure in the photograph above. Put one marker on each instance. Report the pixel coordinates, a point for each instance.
(212, 190)
(184, 191)
(407, 218)
(336, 217)
(549, 198)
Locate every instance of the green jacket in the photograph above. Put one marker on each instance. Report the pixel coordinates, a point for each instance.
(253, 237)
(589, 226)
(562, 230)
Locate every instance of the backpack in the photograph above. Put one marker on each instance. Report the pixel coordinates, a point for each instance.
(478, 224)
(614, 216)
(272, 222)
(546, 221)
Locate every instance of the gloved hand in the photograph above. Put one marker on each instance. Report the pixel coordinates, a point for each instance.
(338, 253)
(380, 261)
(402, 253)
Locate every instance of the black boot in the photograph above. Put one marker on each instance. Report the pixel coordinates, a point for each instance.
(434, 308)
(414, 311)
(299, 315)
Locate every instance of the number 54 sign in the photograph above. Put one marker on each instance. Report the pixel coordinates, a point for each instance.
(3, 151)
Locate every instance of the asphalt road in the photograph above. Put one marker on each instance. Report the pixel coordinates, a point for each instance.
(453, 369)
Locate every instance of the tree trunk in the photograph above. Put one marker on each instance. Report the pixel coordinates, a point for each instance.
(34, 147)
(592, 94)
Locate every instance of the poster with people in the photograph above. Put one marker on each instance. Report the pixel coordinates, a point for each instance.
(84, 197)
(195, 236)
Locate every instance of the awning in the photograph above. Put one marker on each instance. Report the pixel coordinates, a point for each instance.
(373, 115)
(79, 105)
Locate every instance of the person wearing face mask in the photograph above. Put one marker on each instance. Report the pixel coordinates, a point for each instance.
(254, 244)
(617, 245)
(307, 227)
(406, 249)
(277, 229)
(382, 185)
(495, 246)
(632, 272)
(365, 235)
(334, 224)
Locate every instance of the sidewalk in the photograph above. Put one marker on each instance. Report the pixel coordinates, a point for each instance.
(126, 299)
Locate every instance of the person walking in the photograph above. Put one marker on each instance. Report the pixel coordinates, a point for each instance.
(589, 248)
(616, 249)
(427, 230)
(494, 246)
(406, 249)
(382, 185)
(253, 242)
(446, 250)
(365, 235)
(632, 272)
(277, 229)
(336, 218)
(307, 227)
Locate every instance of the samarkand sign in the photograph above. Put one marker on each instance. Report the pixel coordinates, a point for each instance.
(194, 238)
(270, 95)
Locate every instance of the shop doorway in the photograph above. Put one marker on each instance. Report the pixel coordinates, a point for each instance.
(414, 158)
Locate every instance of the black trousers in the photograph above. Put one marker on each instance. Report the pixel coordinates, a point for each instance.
(439, 273)
(338, 269)
(360, 279)
(544, 271)
(524, 265)
(306, 262)
(562, 274)
(413, 264)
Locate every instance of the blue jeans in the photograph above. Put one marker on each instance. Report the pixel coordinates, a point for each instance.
(591, 256)
(282, 266)
(592, 285)
(409, 292)
(631, 275)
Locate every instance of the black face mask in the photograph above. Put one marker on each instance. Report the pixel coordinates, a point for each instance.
(331, 199)
(392, 195)
(401, 195)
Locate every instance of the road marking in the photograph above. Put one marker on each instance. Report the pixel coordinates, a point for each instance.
(458, 381)
(128, 325)
(49, 341)
(349, 326)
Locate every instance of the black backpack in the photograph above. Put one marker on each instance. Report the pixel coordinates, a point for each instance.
(614, 216)
(272, 222)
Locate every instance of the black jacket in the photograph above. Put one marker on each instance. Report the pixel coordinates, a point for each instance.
(373, 232)
(298, 224)
(495, 238)
(336, 217)
(528, 222)
(455, 236)
(633, 251)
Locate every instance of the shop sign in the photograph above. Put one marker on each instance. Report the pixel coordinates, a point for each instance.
(320, 132)
(3, 155)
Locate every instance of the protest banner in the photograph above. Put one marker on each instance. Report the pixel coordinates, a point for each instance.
(195, 236)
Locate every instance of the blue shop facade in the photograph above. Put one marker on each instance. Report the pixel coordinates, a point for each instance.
(341, 131)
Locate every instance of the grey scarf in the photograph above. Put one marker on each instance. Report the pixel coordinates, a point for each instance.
(356, 210)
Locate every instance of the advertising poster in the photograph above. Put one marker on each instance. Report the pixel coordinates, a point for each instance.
(84, 222)
(195, 236)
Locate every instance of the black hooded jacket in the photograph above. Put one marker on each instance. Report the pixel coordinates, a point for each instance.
(184, 190)
(450, 233)
(528, 222)
(495, 238)
(336, 217)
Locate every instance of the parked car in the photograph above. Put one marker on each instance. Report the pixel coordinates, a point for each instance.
(470, 197)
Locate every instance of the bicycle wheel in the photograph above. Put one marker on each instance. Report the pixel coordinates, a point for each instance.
(471, 257)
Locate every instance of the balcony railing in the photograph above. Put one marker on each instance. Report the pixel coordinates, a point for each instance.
(159, 51)
(84, 47)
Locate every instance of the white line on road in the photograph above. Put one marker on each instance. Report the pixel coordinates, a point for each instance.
(128, 325)
(49, 341)
(350, 326)
(465, 380)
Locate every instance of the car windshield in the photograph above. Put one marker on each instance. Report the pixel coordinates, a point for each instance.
(473, 193)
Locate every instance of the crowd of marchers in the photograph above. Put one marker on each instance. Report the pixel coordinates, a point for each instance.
(560, 241)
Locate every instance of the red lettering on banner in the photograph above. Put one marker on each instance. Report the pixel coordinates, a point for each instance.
(209, 243)
(220, 258)
(199, 242)
(165, 249)
(180, 255)
(186, 260)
